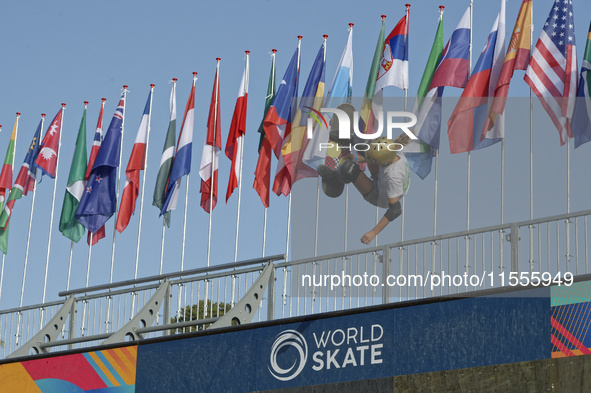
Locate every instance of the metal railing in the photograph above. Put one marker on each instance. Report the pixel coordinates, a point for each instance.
(197, 298)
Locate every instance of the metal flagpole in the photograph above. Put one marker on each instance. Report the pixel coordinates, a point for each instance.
(186, 205)
(531, 152)
(30, 226)
(468, 163)
(212, 178)
(240, 168)
(57, 163)
(318, 185)
(272, 94)
(289, 198)
(164, 219)
(72, 242)
(115, 214)
(405, 107)
(346, 185)
(118, 181)
(100, 121)
(139, 233)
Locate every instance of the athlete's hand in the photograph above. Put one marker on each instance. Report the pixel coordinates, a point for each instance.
(368, 237)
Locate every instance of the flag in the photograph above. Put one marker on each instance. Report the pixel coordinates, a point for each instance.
(465, 126)
(25, 180)
(516, 58)
(262, 173)
(99, 201)
(208, 169)
(136, 164)
(236, 134)
(277, 123)
(182, 159)
(582, 114)
(96, 144)
(69, 226)
(367, 118)
(290, 167)
(552, 70)
(6, 174)
(340, 92)
(452, 70)
(6, 181)
(419, 154)
(167, 157)
(46, 160)
(393, 70)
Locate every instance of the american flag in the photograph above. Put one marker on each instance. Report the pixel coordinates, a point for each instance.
(552, 71)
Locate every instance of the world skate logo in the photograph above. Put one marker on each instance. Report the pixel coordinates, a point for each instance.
(285, 340)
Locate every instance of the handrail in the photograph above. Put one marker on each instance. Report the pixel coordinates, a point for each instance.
(200, 270)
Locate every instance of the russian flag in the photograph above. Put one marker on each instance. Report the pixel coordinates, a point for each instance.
(452, 70)
(277, 124)
(454, 66)
(393, 69)
(466, 123)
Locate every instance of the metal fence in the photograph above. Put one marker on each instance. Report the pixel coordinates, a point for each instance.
(547, 249)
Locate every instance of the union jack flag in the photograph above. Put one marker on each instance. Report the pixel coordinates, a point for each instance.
(552, 71)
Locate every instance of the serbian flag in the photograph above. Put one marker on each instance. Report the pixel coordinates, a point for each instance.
(452, 70)
(99, 201)
(212, 147)
(393, 69)
(467, 121)
(236, 134)
(517, 58)
(47, 158)
(96, 145)
(277, 123)
(136, 164)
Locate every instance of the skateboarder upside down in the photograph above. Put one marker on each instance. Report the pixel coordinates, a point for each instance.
(389, 182)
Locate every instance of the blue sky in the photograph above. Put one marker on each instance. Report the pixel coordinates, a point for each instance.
(74, 51)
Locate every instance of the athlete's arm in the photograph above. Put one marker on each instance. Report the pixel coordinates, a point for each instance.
(390, 215)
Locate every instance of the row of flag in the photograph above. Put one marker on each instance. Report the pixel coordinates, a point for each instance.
(92, 189)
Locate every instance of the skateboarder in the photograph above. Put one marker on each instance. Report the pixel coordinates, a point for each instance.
(390, 175)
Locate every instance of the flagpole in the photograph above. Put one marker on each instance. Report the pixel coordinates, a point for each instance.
(240, 168)
(531, 148)
(30, 222)
(116, 198)
(469, 163)
(163, 218)
(118, 181)
(91, 234)
(436, 180)
(186, 205)
(318, 184)
(274, 51)
(71, 241)
(57, 163)
(346, 185)
(139, 232)
(289, 198)
(405, 108)
(212, 178)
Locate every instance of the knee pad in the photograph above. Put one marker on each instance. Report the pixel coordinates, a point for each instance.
(332, 187)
